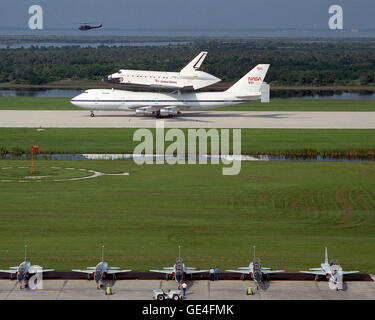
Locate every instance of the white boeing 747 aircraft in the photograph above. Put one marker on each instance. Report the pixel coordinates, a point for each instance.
(171, 104)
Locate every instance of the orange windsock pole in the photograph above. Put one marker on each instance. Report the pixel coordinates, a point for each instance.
(32, 157)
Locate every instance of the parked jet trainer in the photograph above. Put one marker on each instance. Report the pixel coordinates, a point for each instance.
(188, 79)
(171, 104)
(179, 270)
(332, 271)
(255, 271)
(100, 271)
(24, 270)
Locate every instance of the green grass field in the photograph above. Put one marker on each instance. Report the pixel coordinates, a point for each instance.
(34, 103)
(304, 105)
(253, 140)
(289, 210)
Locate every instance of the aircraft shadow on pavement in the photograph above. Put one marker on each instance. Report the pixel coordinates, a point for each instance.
(146, 118)
(344, 287)
(106, 283)
(272, 116)
(187, 116)
(265, 285)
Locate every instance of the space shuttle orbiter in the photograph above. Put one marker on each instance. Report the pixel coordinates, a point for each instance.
(188, 79)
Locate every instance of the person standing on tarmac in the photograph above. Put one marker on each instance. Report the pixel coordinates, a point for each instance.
(184, 286)
(212, 273)
(217, 273)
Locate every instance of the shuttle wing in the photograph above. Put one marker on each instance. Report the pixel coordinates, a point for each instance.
(172, 87)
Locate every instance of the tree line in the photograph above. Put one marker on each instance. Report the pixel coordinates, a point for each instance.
(316, 63)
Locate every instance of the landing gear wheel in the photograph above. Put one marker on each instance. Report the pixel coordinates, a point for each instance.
(92, 114)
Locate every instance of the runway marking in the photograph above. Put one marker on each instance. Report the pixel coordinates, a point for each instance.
(63, 287)
(94, 174)
(10, 292)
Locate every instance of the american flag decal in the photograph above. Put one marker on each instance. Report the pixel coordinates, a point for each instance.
(260, 68)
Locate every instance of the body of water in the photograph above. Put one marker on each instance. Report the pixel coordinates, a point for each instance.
(192, 32)
(283, 94)
(322, 95)
(154, 157)
(93, 44)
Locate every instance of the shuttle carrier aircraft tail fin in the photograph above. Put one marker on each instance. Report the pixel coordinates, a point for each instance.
(195, 63)
(251, 82)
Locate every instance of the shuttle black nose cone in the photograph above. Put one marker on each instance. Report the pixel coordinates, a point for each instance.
(110, 79)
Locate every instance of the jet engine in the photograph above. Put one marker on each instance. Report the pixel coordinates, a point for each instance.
(145, 111)
(165, 112)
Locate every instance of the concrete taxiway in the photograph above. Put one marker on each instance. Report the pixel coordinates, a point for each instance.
(197, 290)
(204, 119)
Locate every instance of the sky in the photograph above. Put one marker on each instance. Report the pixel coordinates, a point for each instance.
(189, 14)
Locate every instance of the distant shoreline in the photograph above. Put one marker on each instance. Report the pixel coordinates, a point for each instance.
(86, 38)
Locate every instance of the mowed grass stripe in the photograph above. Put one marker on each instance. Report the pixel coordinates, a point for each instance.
(253, 141)
(290, 211)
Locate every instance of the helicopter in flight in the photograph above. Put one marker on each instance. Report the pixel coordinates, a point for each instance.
(87, 26)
